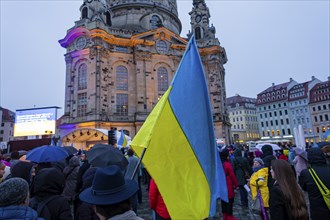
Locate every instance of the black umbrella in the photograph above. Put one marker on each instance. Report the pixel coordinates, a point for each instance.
(70, 150)
(102, 155)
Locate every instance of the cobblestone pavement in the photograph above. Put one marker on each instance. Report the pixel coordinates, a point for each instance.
(239, 212)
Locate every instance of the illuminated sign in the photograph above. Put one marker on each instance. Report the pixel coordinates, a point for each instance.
(37, 121)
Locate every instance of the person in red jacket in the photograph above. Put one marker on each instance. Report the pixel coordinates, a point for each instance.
(231, 181)
(157, 203)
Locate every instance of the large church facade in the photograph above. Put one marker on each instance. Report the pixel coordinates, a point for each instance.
(120, 59)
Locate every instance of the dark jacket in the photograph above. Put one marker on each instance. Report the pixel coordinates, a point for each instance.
(240, 164)
(277, 203)
(267, 157)
(318, 208)
(47, 183)
(85, 165)
(71, 175)
(16, 212)
(83, 210)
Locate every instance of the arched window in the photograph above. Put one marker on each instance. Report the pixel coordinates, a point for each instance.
(121, 78)
(155, 22)
(84, 13)
(82, 77)
(108, 18)
(198, 33)
(162, 79)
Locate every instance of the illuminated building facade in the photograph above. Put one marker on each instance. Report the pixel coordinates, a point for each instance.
(121, 57)
(298, 101)
(243, 118)
(320, 109)
(273, 111)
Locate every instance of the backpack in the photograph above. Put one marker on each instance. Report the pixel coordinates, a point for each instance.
(323, 189)
(41, 207)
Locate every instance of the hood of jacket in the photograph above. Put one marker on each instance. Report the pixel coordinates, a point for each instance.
(74, 161)
(23, 170)
(238, 153)
(316, 156)
(49, 181)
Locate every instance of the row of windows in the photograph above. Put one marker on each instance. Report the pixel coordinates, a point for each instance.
(276, 133)
(322, 98)
(322, 91)
(319, 108)
(248, 126)
(155, 20)
(275, 113)
(320, 118)
(299, 110)
(247, 118)
(296, 102)
(273, 98)
(300, 94)
(121, 85)
(273, 93)
(276, 122)
(300, 121)
(274, 106)
(323, 129)
(245, 112)
(122, 78)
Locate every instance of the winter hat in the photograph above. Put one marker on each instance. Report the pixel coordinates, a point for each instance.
(259, 160)
(258, 153)
(267, 150)
(13, 191)
(224, 154)
(316, 156)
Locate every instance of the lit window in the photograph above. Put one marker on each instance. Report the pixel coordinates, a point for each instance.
(122, 104)
(162, 79)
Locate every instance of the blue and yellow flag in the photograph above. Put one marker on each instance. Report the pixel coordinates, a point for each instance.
(181, 154)
(122, 140)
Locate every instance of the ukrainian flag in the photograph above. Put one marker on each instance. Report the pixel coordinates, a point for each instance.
(181, 154)
(122, 140)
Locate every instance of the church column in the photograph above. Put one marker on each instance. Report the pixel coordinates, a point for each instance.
(69, 86)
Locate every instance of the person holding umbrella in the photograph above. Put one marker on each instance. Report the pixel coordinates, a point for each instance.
(286, 201)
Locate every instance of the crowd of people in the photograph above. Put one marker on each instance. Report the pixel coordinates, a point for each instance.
(271, 184)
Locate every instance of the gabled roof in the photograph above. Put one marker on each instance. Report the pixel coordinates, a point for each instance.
(276, 87)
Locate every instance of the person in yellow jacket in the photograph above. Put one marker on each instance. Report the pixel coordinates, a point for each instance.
(260, 172)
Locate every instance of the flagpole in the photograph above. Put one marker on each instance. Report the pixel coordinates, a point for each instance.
(138, 164)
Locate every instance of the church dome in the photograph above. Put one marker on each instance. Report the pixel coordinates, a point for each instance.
(144, 15)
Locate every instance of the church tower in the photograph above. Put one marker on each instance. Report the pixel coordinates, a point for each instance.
(121, 56)
(213, 58)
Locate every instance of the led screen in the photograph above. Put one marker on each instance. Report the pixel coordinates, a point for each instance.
(38, 121)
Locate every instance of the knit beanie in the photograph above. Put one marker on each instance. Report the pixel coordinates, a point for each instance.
(224, 155)
(13, 191)
(259, 160)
